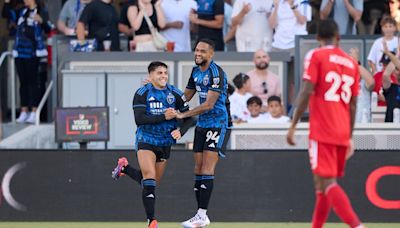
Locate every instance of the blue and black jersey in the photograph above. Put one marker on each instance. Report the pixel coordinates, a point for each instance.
(215, 79)
(149, 105)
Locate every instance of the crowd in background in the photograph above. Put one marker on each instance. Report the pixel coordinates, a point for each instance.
(234, 25)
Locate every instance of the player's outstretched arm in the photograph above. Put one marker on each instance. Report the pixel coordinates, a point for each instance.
(212, 97)
(189, 93)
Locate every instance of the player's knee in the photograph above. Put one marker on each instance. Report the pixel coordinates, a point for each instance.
(149, 174)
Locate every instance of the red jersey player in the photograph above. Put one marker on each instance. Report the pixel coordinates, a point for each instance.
(331, 80)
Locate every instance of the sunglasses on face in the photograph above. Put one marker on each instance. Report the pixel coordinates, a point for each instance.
(264, 84)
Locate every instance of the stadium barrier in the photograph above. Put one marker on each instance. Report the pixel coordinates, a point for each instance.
(257, 186)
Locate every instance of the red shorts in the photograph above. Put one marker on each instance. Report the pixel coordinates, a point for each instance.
(327, 160)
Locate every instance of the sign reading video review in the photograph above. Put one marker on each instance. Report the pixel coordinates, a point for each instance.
(82, 124)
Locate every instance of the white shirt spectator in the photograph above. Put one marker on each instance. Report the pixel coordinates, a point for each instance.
(260, 119)
(178, 10)
(254, 32)
(376, 52)
(282, 119)
(288, 27)
(239, 106)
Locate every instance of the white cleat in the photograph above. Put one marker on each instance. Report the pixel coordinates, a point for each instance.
(196, 221)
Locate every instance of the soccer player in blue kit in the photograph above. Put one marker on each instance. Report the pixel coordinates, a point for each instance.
(213, 126)
(154, 106)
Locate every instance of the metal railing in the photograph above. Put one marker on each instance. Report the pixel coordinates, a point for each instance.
(12, 69)
(42, 102)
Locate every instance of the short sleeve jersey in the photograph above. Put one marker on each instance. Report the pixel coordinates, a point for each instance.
(207, 10)
(215, 79)
(336, 79)
(156, 101)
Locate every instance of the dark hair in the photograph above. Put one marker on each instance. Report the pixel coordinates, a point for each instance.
(154, 65)
(254, 100)
(327, 29)
(387, 20)
(207, 41)
(240, 79)
(231, 89)
(274, 98)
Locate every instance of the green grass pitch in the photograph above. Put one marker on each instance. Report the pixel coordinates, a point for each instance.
(176, 225)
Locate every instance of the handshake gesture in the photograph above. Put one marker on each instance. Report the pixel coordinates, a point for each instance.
(171, 113)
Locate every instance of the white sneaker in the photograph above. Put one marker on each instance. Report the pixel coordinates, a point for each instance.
(32, 118)
(196, 221)
(22, 117)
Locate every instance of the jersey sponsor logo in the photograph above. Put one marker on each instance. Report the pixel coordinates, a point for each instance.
(170, 98)
(157, 108)
(206, 80)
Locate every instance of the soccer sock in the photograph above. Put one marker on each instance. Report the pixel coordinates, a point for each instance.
(341, 205)
(149, 197)
(321, 210)
(206, 187)
(133, 173)
(197, 183)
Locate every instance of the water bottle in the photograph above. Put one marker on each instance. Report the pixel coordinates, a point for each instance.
(364, 117)
(374, 99)
(396, 115)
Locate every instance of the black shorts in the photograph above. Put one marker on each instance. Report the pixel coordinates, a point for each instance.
(162, 152)
(212, 139)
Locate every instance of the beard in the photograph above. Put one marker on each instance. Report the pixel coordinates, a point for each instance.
(202, 63)
(262, 66)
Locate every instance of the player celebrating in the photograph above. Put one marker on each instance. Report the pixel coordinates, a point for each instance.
(154, 106)
(331, 80)
(212, 130)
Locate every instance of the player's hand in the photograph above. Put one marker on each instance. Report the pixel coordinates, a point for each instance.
(290, 136)
(350, 150)
(170, 114)
(179, 115)
(354, 53)
(176, 134)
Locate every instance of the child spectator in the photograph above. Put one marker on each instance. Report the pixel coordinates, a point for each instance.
(238, 99)
(254, 105)
(275, 111)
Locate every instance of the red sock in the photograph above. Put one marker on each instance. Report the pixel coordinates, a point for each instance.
(341, 205)
(321, 210)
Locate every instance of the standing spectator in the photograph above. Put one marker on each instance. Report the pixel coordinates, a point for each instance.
(177, 28)
(253, 30)
(69, 16)
(366, 85)
(28, 48)
(289, 18)
(275, 111)
(238, 99)
(143, 37)
(346, 13)
(102, 19)
(210, 20)
(264, 83)
(391, 90)
(388, 25)
(123, 25)
(228, 30)
(394, 7)
(10, 11)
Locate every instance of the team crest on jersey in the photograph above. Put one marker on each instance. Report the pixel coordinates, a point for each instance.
(206, 80)
(215, 82)
(170, 98)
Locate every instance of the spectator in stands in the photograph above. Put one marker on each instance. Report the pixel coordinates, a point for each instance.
(29, 47)
(388, 25)
(229, 30)
(69, 16)
(289, 18)
(10, 11)
(143, 37)
(177, 27)
(346, 13)
(253, 30)
(101, 19)
(385, 60)
(264, 83)
(123, 25)
(238, 99)
(367, 83)
(254, 105)
(275, 111)
(210, 20)
(394, 7)
(390, 88)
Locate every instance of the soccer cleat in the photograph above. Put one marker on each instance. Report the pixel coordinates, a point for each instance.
(153, 224)
(117, 172)
(196, 221)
